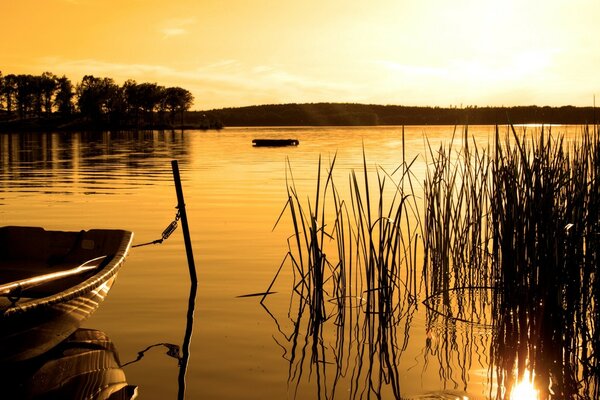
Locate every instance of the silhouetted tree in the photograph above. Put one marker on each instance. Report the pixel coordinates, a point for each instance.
(64, 96)
(25, 95)
(116, 106)
(94, 97)
(178, 100)
(9, 90)
(48, 84)
(151, 95)
(143, 98)
(132, 97)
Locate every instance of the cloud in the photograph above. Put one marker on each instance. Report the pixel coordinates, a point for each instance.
(526, 78)
(410, 69)
(176, 27)
(223, 83)
(170, 32)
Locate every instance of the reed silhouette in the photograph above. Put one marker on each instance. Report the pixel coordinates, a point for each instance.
(520, 223)
(546, 231)
(352, 307)
(510, 237)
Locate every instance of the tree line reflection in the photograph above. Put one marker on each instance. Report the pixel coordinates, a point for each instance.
(49, 159)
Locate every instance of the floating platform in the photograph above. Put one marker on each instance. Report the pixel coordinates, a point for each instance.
(275, 142)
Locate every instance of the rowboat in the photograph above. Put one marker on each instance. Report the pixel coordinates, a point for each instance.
(275, 142)
(50, 282)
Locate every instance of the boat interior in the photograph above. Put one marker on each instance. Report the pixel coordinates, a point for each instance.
(27, 252)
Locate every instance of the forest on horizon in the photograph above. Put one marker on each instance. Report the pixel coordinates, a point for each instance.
(352, 114)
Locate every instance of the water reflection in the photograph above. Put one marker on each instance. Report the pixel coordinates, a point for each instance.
(181, 354)
(85, 366)
(351, 311)
(345, 348)
(459, 328)
(85, 161)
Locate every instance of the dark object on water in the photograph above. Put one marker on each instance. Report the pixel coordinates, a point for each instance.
(84, 366)
(275, 142)
(52, 281)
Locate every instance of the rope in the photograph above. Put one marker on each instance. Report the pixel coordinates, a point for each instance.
(166, 233)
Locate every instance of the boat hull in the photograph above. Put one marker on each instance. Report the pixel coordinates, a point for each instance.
(31, 334)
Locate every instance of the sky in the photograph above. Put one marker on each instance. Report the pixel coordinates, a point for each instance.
(232, 53)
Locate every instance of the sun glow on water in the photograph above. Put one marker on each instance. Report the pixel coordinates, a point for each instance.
(524, 390)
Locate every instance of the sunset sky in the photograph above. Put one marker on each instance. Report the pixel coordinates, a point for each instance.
(231, 53)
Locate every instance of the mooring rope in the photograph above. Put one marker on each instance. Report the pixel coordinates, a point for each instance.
(166, 233)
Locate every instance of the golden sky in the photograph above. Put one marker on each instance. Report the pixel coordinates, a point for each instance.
(232, 53)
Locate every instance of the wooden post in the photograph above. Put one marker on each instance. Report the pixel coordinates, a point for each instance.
(184, 223)
(183, 362)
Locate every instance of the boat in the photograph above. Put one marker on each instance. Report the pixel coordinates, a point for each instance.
(86, 365)
(275, 142)
(50, 282)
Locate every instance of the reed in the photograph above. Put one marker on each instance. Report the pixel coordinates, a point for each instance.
(510, 235)
(545, 214)
(353, 263)
(520, 222)
(458, 232)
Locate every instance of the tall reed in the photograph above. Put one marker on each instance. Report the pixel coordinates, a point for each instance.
(520, 222)
(353, 263)
(511, 235)
(458, 233)
(546, 221)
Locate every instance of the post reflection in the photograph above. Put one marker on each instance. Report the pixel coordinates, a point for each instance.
(85, 366)
(181, 354)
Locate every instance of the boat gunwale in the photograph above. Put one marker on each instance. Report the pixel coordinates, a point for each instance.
(91, 283)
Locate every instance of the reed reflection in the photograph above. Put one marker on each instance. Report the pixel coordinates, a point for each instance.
(459, 331)
(350, 313)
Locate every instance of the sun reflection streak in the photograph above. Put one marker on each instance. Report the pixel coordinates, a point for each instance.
(524, 390)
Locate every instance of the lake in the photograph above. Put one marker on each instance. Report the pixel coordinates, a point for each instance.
(234, 195)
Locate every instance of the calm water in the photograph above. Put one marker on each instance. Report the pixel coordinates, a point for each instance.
(234, 195)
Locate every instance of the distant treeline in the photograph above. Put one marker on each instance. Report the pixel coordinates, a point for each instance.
(46, 101)
(339, 114)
